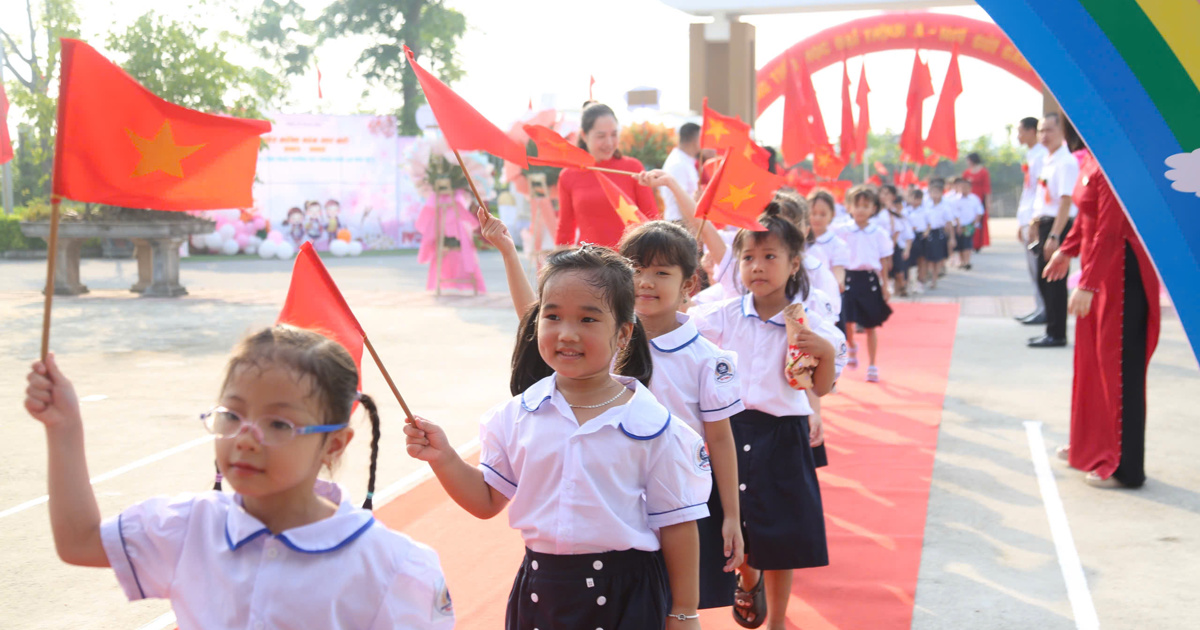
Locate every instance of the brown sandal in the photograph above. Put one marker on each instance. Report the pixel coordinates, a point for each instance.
(750, 607)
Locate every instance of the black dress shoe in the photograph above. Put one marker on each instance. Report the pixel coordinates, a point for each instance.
(1046, 342)
(1037, 319)
(1022, 318)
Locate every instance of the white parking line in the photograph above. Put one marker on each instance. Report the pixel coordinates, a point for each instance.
(149, 459)
(1064, 544)
(404, 484)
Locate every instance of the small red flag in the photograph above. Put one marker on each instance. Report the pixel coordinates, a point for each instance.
(315, 303)
(756, 154)
(721, 132)
(803, 180)
(6, 150)
(591, 84)
(554, 150)
(117, 143)
(464, 128)
(316, 65)
(942, 138)
(621, 204)
(738, 193)
(798, 139)
(920, 87)
(864, 114)
(826, 163)
(849, 142)
(880, 168)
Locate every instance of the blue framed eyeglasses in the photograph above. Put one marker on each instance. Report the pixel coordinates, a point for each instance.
(269, 430)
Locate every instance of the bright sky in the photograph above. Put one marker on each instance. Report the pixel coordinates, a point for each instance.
(545, 50)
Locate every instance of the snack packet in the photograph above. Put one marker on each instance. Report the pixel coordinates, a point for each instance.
(800, 366)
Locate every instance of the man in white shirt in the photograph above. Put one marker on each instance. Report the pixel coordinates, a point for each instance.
(681, 164)
(1027, 134)
(1053, 212)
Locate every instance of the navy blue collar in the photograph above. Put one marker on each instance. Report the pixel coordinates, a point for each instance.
(642, 418)
(323, 536)
(748, 311)
(677, 339)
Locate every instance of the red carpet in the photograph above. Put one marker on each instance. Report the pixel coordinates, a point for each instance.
(881, 438)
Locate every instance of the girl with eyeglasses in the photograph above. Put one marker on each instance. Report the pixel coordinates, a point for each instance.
(264, 556)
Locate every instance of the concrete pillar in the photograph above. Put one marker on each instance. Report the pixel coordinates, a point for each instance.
(145, 271)
(66, 268)
(722, 67)
(164, 263)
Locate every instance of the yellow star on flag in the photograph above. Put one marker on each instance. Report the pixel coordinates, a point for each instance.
(160, 153)
(716, 129)
(749, 152)
(627, 211)
(738, 195)
(560, 143)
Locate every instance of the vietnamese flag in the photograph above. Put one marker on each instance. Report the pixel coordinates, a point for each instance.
(942, 138)
(826, 163)
(720, 132)
(6, 150)
(738, 193)
(622, 205)
(798, 140)
(117, 143)
(849, 144)
(812, 108)
(920, 87)
(864, 114)
(756, 154)
(464, 128)
(554, 150)
(315, 303)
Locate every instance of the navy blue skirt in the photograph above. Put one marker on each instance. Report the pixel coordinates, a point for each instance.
(863, 302)
(918, 249)
(617, 590)
(783, 519)
(937, 247)
(716, 586)
(899, 262)
(966, 238)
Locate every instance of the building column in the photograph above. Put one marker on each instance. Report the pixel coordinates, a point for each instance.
(723, 67)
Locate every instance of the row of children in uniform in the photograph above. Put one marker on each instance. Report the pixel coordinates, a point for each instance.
(654, 456)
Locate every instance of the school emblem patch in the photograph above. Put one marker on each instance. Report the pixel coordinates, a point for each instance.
(702, 461)
(724, 371)
(443, 605)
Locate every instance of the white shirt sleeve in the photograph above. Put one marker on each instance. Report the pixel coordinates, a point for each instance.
(678, 169)
(827, 328)
(1065, 174)
(841, 252)
(493, 458)
(710, 320)
(680, 477)
(720, 389)
(826, 290)
(145, 542)
(418, 597)
(886, 246)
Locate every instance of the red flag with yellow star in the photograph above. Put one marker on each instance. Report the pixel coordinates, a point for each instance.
(826, 163)
(117, 143)
(720, 132)
(738, 193)
(622, 205)
(554, 150)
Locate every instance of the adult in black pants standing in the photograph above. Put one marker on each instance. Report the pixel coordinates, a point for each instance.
(1053, 214)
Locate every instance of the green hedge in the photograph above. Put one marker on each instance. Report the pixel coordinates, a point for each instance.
(11, 237)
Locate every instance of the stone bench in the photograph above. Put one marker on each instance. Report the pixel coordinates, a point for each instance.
(156, 245)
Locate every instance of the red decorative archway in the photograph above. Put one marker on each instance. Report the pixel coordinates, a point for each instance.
(897, 31)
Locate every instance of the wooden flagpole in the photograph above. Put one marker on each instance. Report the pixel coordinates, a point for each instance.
(51, 260)
(610, 170)
(470, 180)
(387, 377)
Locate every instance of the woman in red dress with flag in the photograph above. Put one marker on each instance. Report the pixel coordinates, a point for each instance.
(1118, 313)
(981, 184)
(585, 214)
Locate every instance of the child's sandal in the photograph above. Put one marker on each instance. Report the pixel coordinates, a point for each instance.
(750, 607)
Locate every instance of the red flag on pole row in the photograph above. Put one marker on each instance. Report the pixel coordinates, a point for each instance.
(117, 143)
(464, 128)
(738, 193)
(315, 303)
(826, 163)
(812, 108)
(721, 132)
(622, 205)
(920, 87)
(864, 114)
(942, 138)
(554, 150)
(797, 141)
(849, 145)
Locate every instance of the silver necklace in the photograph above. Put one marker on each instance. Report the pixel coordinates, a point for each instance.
(607, 402)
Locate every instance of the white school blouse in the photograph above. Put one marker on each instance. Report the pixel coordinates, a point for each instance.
(831, 249)
(940, 214)
(761, 347)
(222, 568)
(602, 486)
(820, 277)
(694, 379)
(868, 246)
(918, 217)
(970, 208)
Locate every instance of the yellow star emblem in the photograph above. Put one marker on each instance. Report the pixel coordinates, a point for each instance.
(160, 153)
(627, 211)
(560, 144)
(716, 129)
(749, 152)
(737, 195)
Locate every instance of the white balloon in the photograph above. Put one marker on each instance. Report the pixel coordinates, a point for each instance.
(268, 249)
(213, 241)
(339, 247)
(227, 230)
(250, 248)
(285, 251)
(356, 248)
(197, 241)
(230, 247)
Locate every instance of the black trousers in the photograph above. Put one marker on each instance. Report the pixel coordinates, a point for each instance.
(1054, 293)
(1131, 471)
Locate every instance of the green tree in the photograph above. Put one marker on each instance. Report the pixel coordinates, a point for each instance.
(282, 34)
(428, 27)
(32, 59)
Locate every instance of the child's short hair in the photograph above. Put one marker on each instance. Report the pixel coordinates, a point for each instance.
(328, 366)
(937, 183)
(661, 243)
(917, 194)
(791, 206)
(312, 202)
(333, 202)
(860, 192)
(784, 228)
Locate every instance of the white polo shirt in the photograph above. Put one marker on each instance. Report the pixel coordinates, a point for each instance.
(1057, 180)
(682, 167)
(940, 214)
(602, 486)
(918, 218)
(969, 208)
(821, 278)
(830, 249)
(1035, 157)
(868, 246)
(694, 379)
(222, 568)
(761, 347)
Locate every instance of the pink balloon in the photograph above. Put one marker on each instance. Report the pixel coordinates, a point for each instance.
(259, 223)
(275, 236)
(242, 240)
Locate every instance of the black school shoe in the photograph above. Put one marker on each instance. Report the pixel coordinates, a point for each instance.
(1047, 342)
